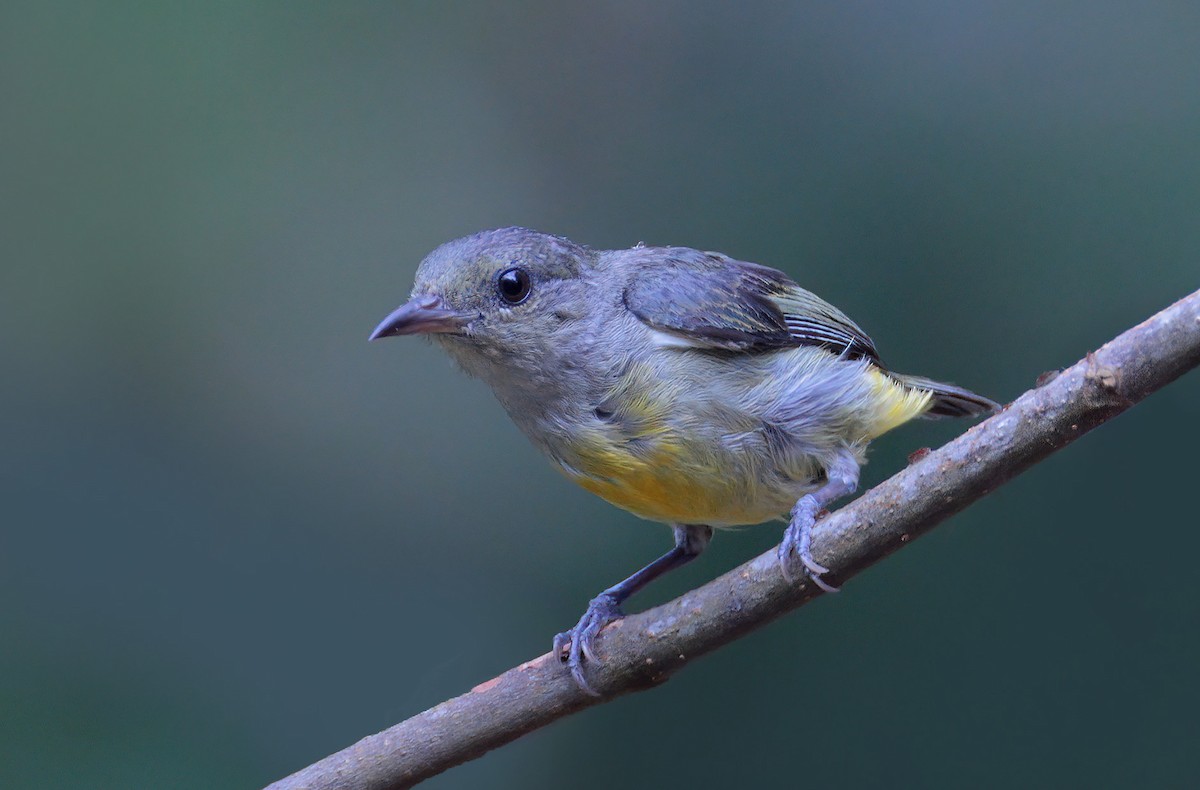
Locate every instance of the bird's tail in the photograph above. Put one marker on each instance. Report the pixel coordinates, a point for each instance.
(948, 399)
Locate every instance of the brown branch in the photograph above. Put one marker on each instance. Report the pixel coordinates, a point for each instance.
(645, 649)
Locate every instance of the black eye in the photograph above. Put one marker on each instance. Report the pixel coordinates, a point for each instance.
(513, 285)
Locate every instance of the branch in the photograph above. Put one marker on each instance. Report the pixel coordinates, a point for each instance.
(643, 650)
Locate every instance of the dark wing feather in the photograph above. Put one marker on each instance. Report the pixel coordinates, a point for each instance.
(813, 321)
(712, 301)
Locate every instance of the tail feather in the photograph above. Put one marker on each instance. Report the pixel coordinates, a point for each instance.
(949, 400)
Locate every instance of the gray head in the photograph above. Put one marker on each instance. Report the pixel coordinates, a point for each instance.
(499, 298)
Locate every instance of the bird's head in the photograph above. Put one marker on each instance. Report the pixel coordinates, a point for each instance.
(497, 301)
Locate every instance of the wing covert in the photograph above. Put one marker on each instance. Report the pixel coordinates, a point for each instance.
(713, 301)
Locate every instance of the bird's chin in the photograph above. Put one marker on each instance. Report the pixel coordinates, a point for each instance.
(473, 357)
(458, 338)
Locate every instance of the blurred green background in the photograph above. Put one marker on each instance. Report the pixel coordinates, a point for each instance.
(236, 537)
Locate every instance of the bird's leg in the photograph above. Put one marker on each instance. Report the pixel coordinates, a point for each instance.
(841, 478)
(690, 540)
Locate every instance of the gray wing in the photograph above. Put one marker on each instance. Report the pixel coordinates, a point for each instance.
(713, 301)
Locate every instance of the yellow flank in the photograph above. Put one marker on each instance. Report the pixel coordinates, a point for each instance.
(895, 404)
(656, 487)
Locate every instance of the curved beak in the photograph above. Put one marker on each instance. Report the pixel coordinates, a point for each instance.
(421, 315)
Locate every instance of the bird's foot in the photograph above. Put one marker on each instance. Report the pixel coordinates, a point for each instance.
(574, 647)
(797, 545)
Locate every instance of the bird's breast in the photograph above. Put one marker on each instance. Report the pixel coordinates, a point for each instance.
(670, 479)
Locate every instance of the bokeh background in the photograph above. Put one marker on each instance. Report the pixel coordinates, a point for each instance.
(235, 537)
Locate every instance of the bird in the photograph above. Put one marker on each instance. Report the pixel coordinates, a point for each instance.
(686, 387)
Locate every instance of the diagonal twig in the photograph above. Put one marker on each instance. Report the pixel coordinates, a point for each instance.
(645, 649)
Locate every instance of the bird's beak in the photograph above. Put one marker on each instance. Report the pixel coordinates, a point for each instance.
(421, 315)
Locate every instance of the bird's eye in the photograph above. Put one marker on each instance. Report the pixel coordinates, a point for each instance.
(513, 285)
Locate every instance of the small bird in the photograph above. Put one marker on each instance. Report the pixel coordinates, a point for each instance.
(684, 386)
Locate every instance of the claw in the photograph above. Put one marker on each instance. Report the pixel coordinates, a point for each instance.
(562, 643)
(783, 554)
(797, 541)
(814, 568)
(575, 647)
(824, 585)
